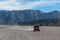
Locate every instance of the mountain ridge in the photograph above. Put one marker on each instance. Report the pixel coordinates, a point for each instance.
(22, 16)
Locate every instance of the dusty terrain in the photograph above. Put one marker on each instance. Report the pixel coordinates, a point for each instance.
(26, 33)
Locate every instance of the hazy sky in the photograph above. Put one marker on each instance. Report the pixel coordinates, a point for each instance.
(44, 5)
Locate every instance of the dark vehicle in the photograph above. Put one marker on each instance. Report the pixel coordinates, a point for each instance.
(36, 28)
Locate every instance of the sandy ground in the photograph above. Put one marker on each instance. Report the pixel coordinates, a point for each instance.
(26, 33)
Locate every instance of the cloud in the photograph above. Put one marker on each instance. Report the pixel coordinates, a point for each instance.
(15, 5)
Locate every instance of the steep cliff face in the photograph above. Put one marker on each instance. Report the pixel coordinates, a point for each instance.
(21, 16)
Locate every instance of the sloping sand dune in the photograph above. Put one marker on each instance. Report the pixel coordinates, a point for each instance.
(26, 33)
